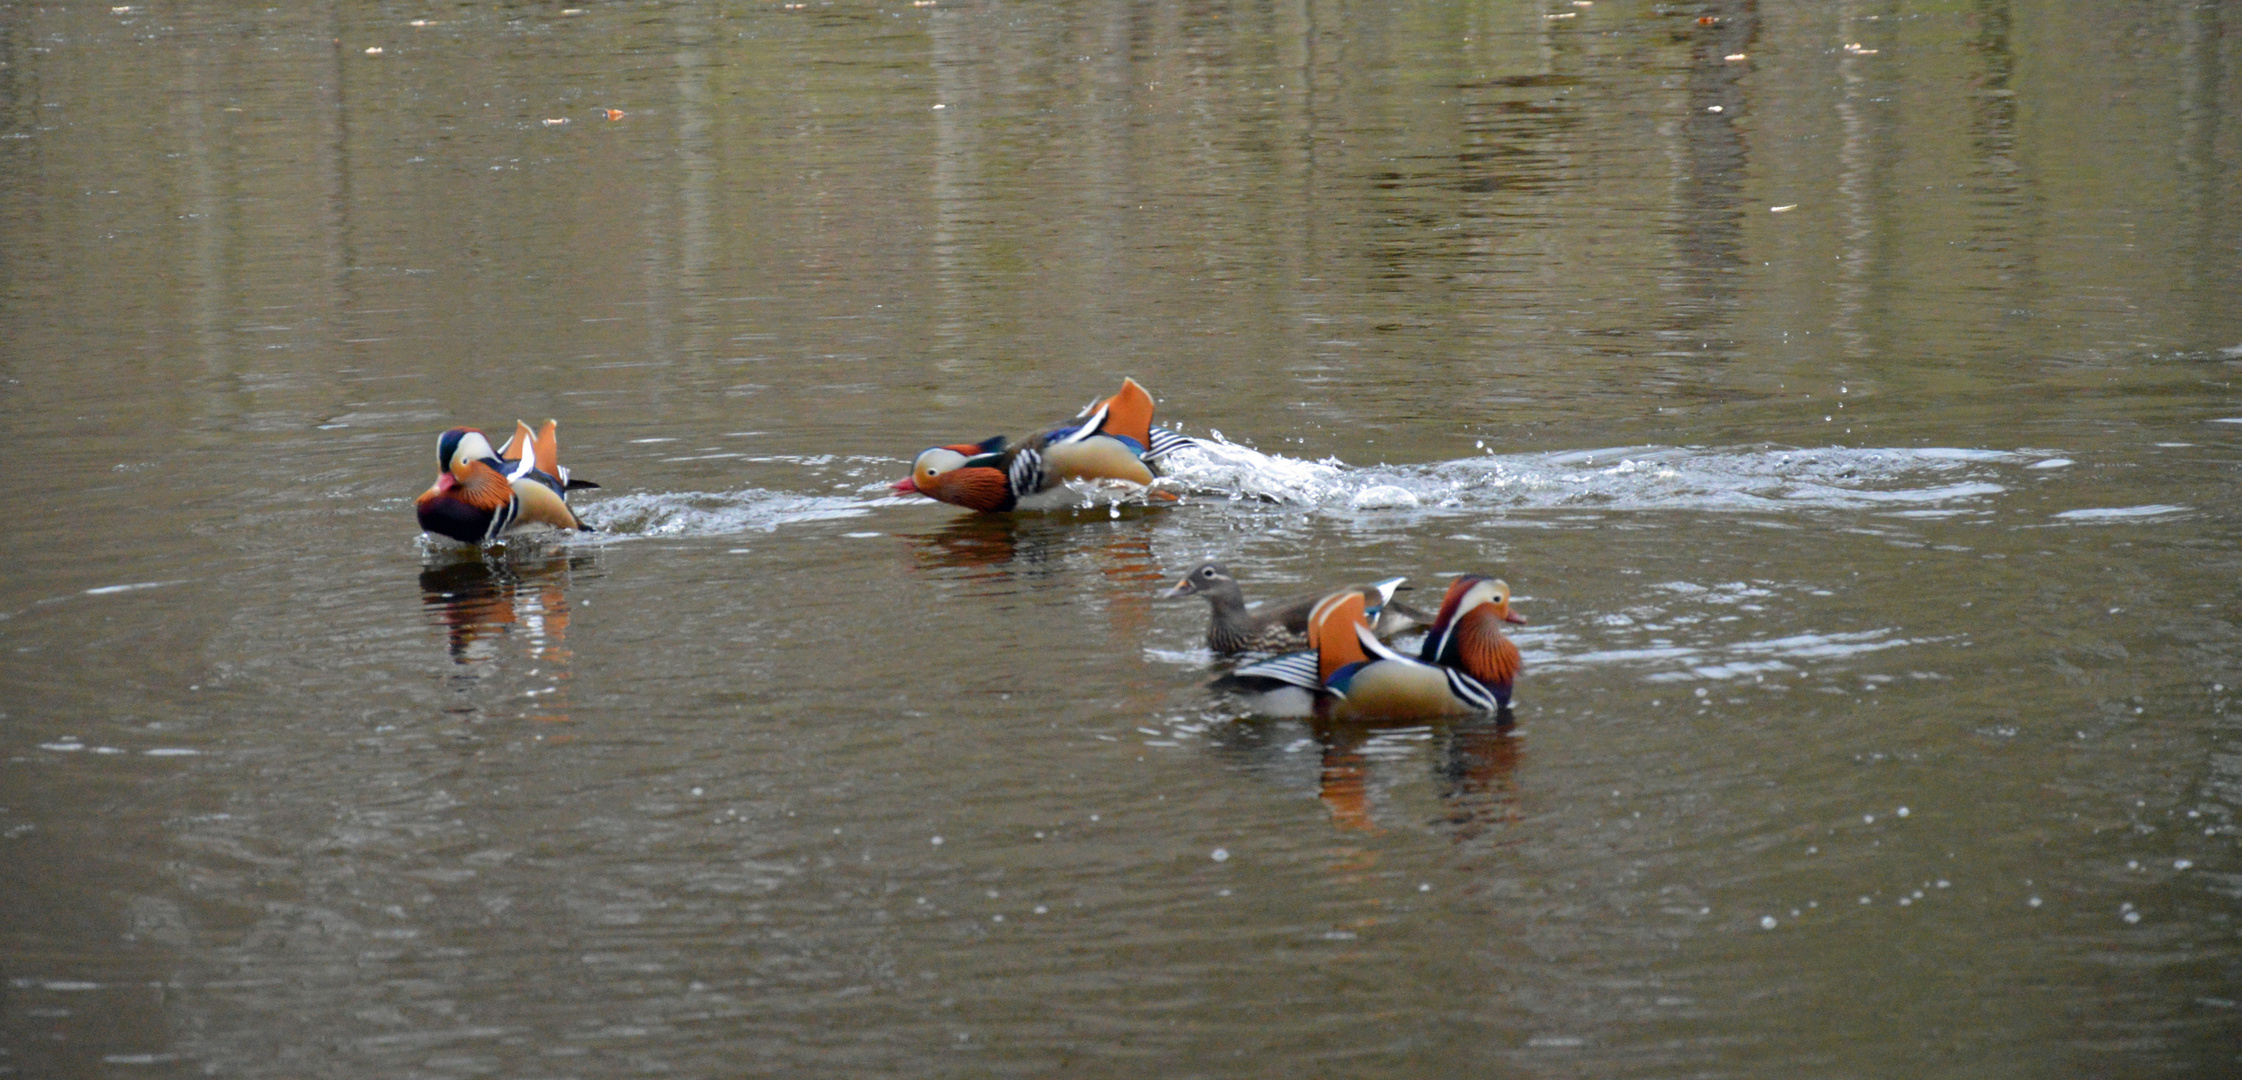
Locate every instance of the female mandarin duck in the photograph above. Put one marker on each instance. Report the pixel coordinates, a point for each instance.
(480, 495)
(1112, 439)
(1354, 675)
(1282, 624)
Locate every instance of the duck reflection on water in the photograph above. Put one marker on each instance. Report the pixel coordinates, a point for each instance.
(1473, 765)
(484, 598)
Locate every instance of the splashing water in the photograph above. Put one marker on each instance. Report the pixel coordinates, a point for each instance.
(1907, 481)
(1620, 478)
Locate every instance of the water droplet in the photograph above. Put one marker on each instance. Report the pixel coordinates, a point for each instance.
(1221, 855)
(2182, 864)
(2035, 901)
(1902, 811)
(1767, 922)
(936, 841)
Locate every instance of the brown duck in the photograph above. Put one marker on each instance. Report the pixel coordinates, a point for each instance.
(1282, 625)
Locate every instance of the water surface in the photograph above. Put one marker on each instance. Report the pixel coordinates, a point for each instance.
(1846, 389)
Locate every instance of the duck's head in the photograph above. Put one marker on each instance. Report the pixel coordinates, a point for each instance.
(963, 475)
(1205, 578)
(458, 448)
(1472, 592)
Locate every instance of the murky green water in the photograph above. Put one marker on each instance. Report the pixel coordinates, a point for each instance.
(1846, 388)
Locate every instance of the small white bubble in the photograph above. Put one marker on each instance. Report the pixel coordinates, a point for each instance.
(1904, 901)
(1868, 819)
(996, 918)
(2035, 901)
(1866, 900)
(1767, 922)
(1942, 883)
(1902, 811)
(2132, 864)
(1042, 910)
(1093, 817)
(1427, 886)
(696, 793)
(936, 841)
(2132, 916)
(1220, 855)
(1701, 691)
(2182, 864)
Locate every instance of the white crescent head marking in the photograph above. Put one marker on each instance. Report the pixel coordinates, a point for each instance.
(472, 447)
(1481, 592)
(934, 461)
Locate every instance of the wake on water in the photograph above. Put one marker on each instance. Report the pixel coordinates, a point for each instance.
(1921, 482)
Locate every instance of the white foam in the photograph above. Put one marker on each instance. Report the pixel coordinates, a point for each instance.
(1618, 478)
(2119, 513)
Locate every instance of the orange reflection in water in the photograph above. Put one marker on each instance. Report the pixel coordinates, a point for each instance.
(1474, 764)
(494, 606)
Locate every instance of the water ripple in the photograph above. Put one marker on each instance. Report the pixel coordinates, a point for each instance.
(715, 513)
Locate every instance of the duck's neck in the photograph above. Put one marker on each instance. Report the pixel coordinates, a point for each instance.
(1233, 625)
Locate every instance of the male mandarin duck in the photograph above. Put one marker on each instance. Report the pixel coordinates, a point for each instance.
(1353, 675)
(481, 494)
(1279, 625)
(1467, 634)
(1112, 439)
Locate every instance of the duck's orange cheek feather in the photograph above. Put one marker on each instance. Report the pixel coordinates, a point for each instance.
(1487, 655)
(977, 489)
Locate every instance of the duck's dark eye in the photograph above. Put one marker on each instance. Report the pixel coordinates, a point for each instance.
(1207, 573)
